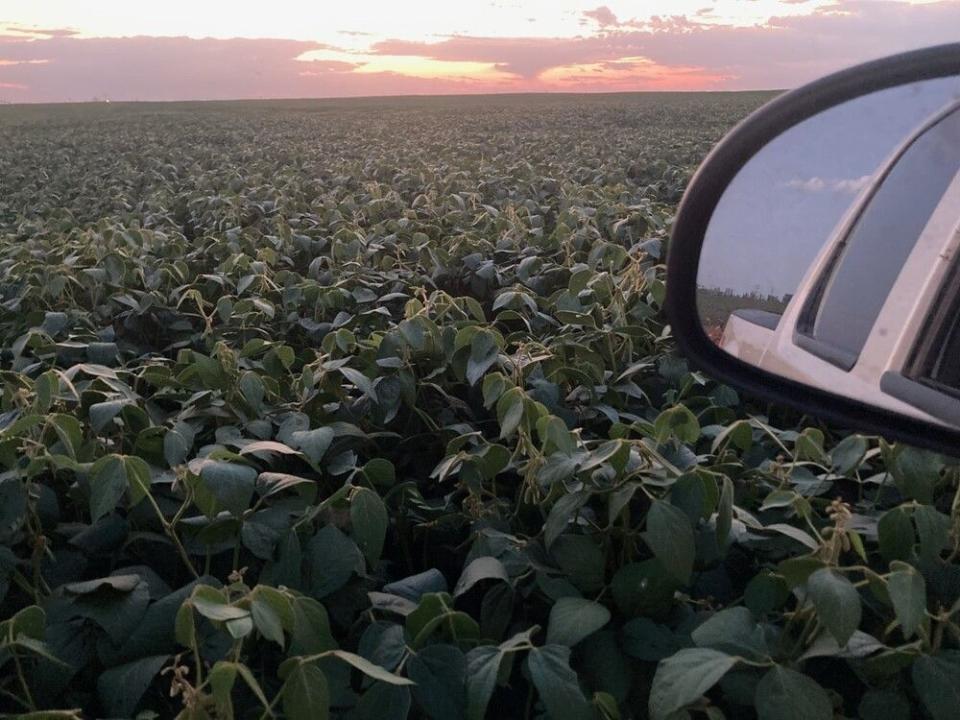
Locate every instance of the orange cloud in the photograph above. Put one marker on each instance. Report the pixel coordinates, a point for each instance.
(632, 73)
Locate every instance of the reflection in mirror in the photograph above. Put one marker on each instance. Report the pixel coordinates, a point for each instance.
(830, 258)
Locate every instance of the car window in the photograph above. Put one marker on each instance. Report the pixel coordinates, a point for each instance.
(945, 371)
(850, 298)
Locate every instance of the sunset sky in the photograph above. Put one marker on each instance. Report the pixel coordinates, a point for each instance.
(63, 50)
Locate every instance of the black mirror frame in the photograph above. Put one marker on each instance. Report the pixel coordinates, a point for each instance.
(697, 207)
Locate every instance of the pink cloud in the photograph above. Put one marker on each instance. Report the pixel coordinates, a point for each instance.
(661, 53)
(603, 16)
(785, 53)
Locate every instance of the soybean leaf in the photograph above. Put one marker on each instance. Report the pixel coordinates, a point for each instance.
(573, 619)
(313, 443)
(483, 665)
(682, 678)
(481, 568)
(440, 674)
(120, 688)
(332, 559)
(382, 701)
(305, 693)
(785, 694)
(837, 603)
(369, 669)
(483, 353)
(908, 593)
(369, 519)
(557, 683)
(108, 482)
(733, 630)
(937, 681)
(670, 537)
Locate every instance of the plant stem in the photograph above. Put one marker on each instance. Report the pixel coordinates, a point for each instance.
(23, 680)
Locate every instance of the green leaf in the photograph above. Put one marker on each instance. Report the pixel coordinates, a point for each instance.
(481, 568)
(785, 694)
(483, 666)
(937, 682)
(734, 631)
(252, 389)
(119, 583)
(430, 608)
(557, 683)
(184, 627)
(383, 702)
(231, 484)
(848, 454)
(895, 534)
(765, 592)
(483, 354)
(560, 514)
(837, 603)
(573, 619)
(13, 508)
(69, 432)
(272, 613)
(908, 593)
(581, 559)
(682, 678)
(670, 537)
(383, 644)
(740, 434)
(677, 422)
(369, 520)
(933, 530)
(252, 683)
(605, 667)
(916, 473)
(138, 478)
(369, 669)
(177, 443)
(213, 605)
(102, 413)
(415, 586)
(108, 482)
(380, 472)
(879, 704)
(440, 674)
(29, 622)
(313, 443)
(112, 603)
(510, 408)
(222, 677)
(644, 588)
(120, 688)
(332, 559)
(809, 446)
(646, 640)
(305, 693)
(311, 628)
(689, 493)
(362, 382)
(724, 512)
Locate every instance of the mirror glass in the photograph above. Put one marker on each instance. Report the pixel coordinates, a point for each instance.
(832, 258)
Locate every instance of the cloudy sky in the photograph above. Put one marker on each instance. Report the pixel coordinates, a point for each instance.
(59, 50)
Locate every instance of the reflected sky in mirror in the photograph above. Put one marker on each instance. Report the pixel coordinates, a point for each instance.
(785, 203)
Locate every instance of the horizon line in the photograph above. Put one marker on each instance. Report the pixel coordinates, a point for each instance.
(398, 96)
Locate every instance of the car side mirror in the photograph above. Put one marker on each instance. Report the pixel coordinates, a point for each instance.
(815, 258)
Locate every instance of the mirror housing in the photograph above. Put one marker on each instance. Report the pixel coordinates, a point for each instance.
(698, 207)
